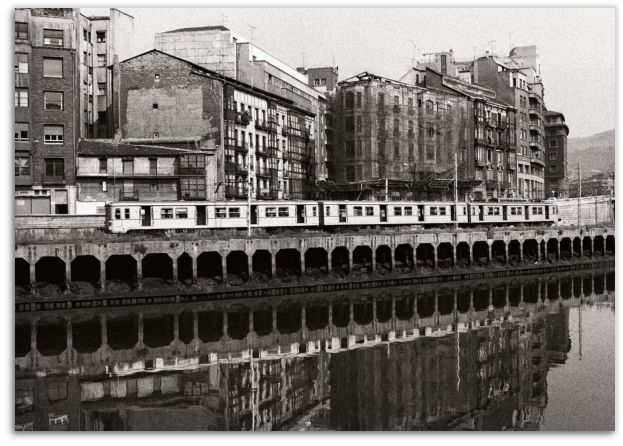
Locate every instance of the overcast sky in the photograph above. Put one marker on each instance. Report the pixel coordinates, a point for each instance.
(576, 46)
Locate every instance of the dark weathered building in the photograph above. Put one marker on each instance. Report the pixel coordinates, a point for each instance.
(556, 132)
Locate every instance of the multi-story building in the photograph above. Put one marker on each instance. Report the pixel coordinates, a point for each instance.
(219, 49)
(46, 100)
(556, 132)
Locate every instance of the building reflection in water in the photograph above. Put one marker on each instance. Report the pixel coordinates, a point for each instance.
(481, 365)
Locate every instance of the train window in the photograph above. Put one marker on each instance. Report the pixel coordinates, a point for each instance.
(166, 213)
(284, 212)
(408, 210)
(534, 210)
(181, 212)
(358, 211)
(442, 210)
(397, 210)
(328, 211)
(220, 213)
(313, 211)
(518, 211)
(513, 210)
(496, 211)
(473, 211)
(117, 214)
(271, 212)
(369, 210)
(489, 211)
(234, 212)
(433, 210)
(540, 211)
(126, 213)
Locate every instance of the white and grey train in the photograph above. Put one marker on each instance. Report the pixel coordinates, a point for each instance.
(124, 216)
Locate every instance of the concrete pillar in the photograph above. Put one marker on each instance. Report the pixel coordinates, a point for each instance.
(69, 333)
(140, 329)
(273, 264)
(250, 264)
(274, 318)
(302, 257)
(176, 327)
(67, 273)
(414, 257)
(471, 300)
(139, 272)
(224, 265)
(538, 251)
(33, 274)
(392, 258)
(374, 301)
(102, 274)
(435, 256)
(251, 328)
(471, 254)
(330, 314)
(490, 298)
(436, 313)
(373, 258)
(455, 301)
(351, 311)
(195, 325)
(350, 261)
(104, 329)
(558, 249)
(193, 263)
(520, 252)
(33, 335)
(393, 307)
(225, 325)
(454, 255)
(174, 271)
(505, 253)
(490, 246)
(303, 317)
(573, 287)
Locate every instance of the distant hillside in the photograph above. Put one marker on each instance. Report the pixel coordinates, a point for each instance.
(595, 152)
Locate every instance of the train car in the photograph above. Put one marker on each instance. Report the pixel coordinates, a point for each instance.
(271, 214)
(511, 213)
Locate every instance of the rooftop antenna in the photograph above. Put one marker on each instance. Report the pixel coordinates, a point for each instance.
(251, 29)
(413, 58)
(510, 45)
(492, 47)
(223, 19)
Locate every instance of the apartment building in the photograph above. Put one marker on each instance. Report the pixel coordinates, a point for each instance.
(556, 132)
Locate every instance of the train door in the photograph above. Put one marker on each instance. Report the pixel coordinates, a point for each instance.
(481, 213)
(546, 212)
(383, 213)
(342, 213)
(145, 215)
(420, 213)
(527, 212)
(505, 213)
(254, 214)
(201, 215)
(452, 213)
(300, 213)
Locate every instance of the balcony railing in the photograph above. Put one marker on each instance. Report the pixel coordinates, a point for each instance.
(261, 125)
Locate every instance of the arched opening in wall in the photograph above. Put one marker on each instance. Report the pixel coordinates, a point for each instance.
(462, 255)
(288, 264)
(85, 274)
(565, 287)
(209, 268)
(383, 307)
(404, 305)
(481, 253)
(22, 276)
(51, 336)
(341, 312)
(552, 248)
(122, 331)
(598, 246)
(514, 252)
(552, 289)
(316, 314)
(445, 301)
(158, 330)
(238, 321)
(50, 275)
(530, 251)
(404, 258)
(587, 246)
(339, 261)
(587, 285)
(445, 254)
(186, 326)
(383, 259)
(463, 299)
(22, 339)
(577, 286)
(610, 245)
(185, 269)
(499, 296)
(237, 268)
(288, 317)
(263, 319)
(566, 248)
(425, 255)
(86, 335)
(514, 293)
(362, 310)
(210, 325)
(598, 284)
(577, 247)
(610, 281)
(262, 265)
(425, 303)
(157, 270)
(120, 273)
(316, 262)
(498, 252)
(531, 291)
(481, 298)
(362, 259)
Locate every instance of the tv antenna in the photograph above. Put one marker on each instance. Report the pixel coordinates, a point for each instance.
(251, 29)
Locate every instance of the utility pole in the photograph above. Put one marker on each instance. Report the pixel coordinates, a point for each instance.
(456, 193)
(249, 197)
(579, 195)
(386, 189)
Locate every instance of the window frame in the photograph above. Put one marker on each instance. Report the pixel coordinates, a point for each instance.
(19, 34)
(19, 132)
(53, 41)
(53, 138)
(53, 59)
(47, 102)
(233, 212)
(21, 97)
(166, 213)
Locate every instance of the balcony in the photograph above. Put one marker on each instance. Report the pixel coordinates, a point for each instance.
(241, 148)
(242, 118)
(229, 115)
(535, 111)
(261, 125)
(535, 144)
(537, 160)
(262, 172)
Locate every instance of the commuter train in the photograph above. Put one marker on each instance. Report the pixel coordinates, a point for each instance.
(124, 216)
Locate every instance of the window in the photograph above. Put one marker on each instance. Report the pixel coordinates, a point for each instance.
(284, 212)
(22, 166)
(271, 212)
(153, 166)
(181, 212)
(52, 100)
(101, 60)
(194, 188)
(220, 213)
(101, 88)
(21, 97)
(153, 185)
(442, 210)
(52, 67)
(358, 211)
(52, 37)
(553, 143)
(429, 107)
(327, 211)
(21, 31)
(128, 166)
(553, 168)
(100, 36)
(55, 167)
(433, 210)
(316, 82)
(397, 210)
(156, 77)
(518, 211)
(513, 211)
(53, 134)
(233, 212)
(21, 132)
(166, 213)
(103, 165)
(553, 156)
(408, 210)
(21, 63)
(489, 211)
(430, 152)
(126, 212)
(369, 210)
(358, 99)
(430, 132)
(117, 214)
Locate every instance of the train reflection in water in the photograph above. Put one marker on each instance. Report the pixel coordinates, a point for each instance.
(469, 356)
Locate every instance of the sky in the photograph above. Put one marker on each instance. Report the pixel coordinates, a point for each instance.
(576, 45)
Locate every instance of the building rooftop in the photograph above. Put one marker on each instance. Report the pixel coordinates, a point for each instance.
(106, 147)
(198, 28)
